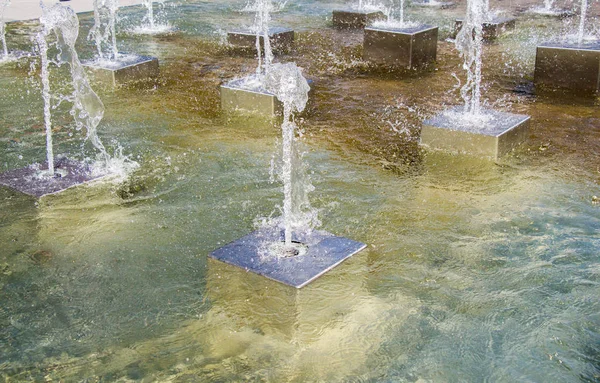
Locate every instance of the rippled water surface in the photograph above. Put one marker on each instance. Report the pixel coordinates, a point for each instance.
(475, 271)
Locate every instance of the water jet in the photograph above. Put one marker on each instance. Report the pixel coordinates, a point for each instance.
(400, 43)
(571, 66)
(249, 94)
(359, 15)
(111, 67)
(473, 129)
(288, 249)
(61, 172)
(493, 24)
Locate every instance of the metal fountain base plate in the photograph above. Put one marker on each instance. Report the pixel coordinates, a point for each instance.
(409, 48)
(238, 99)
(568, 68)
(354, 19)
(323, 252)
(68, 173)
(281, 39)
(132, 68)
(493, 138)
(491, 29)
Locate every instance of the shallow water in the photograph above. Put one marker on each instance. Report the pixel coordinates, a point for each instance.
(475, 271)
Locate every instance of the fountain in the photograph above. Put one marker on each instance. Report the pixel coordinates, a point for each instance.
(472, 128)
(110, 66)
(359, 15)
(249, 94)
(571, 66)
(3, 5)
(400, 43)
(280, 39)
(5, 54)
(549, 10)
(151, 26)
(289, 249)
(60, 172)
(436, 4)
(493, 24)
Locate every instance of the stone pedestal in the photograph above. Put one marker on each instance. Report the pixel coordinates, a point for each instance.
(274, 308)
(490, 138)
(281, 39)
(491, 29)
(129, 68)
(355, 19)
(568, 68)
(409, 48)
(31, 181)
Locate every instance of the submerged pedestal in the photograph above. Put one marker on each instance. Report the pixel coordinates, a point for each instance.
(491, 29)
(30, 181)
(409, 48)
(129, 68)
(493, 137)
(323, 252)
(281, 39)
(355, 19)
(237, 97)
(569, 68)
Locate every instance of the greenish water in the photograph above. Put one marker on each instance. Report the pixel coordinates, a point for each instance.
(475, 271)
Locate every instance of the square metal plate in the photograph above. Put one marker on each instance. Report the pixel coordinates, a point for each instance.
(324, 252)
(135, 68)
(27, 180)
(492, 139)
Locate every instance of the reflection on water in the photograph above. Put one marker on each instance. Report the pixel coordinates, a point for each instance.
(475, 271)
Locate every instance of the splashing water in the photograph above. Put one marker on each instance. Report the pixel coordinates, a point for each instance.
(87, 109)
(580, 34)
(392, 22)
(469, 43)
(262, 19)
(548, 4)
(152, 25)
(370, 6)
(3, 5)
(103, 32)
(291, 88)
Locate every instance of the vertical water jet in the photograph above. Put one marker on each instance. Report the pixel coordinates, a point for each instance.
(289, 249)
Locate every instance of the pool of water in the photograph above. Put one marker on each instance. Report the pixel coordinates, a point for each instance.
(474, 271)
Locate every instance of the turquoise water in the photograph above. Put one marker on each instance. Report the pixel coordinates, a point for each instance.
(475, 271)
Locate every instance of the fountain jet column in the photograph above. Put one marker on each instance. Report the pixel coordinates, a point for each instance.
(472, 129)
(569, 68)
